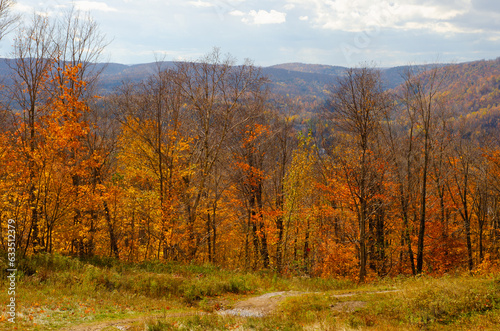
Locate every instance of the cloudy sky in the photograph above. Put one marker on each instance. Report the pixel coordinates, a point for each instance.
(335, 32)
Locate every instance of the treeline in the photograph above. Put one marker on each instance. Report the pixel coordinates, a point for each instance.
(202, 163)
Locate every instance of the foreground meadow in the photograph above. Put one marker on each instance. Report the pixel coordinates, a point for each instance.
(62, 293)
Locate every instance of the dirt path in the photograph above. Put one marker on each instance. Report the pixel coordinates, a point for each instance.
(265, 304)
(254, 307)
(126, 324)
(120, 325)
(259, 306)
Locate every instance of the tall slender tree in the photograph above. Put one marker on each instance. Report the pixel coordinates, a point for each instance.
(420, 97)
(356, 108)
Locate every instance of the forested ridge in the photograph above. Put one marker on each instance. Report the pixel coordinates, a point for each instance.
(206, 161)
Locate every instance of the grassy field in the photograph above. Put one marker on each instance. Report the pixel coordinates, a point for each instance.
(61, 293)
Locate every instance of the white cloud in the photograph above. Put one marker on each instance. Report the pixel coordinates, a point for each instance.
(200, 4)
(236, 13)
(264, 17)
(93, 5)
(443, 28)
(432, 12)
(174, 55)
(494, 38)
(360, 15)
(303, 18)
(22, 8)
(289, 6)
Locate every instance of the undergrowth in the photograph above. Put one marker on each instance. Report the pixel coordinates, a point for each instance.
(157, 279)
(57, 291)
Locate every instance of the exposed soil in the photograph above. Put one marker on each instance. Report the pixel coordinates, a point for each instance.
(265, 304)
(129, 324)
(254, 307)
(259, 306)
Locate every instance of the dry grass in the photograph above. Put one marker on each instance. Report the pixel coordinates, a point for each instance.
(56, 292)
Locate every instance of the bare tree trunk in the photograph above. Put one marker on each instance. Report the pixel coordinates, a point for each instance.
(422, 215)
(113, 244)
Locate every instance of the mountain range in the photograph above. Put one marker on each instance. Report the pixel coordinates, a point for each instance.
(296, 79)
(472, 87)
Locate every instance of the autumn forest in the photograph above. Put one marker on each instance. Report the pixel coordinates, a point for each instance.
(208, 162)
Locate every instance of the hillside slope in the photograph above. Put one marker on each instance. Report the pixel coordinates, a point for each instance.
(472, 90)
(472, 87)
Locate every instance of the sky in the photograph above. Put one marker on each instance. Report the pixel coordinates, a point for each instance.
(332, 32)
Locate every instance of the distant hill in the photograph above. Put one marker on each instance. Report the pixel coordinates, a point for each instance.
(469, 87)
(473, 91)
(472, 87)
(294, 79)
(116, 74)
(311, 68)
(391, 77)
